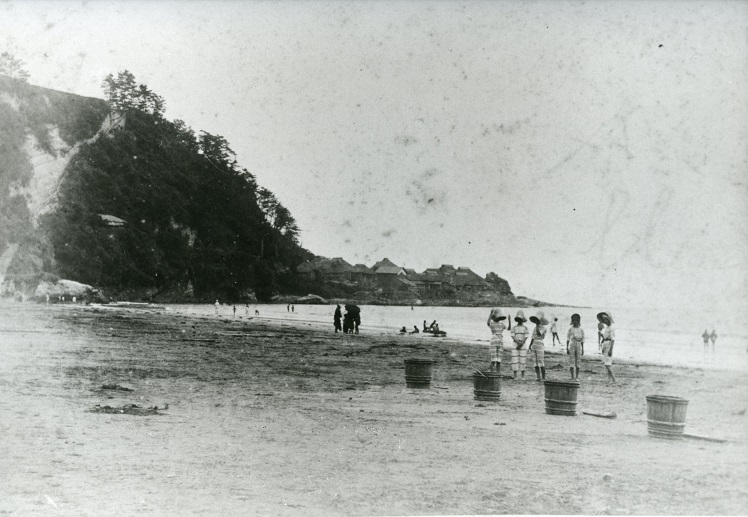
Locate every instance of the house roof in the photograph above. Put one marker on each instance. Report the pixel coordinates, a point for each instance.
(385, 262)
(463, 280)
(361, 268)
(325, 265)
(338, 265)
(389, 270)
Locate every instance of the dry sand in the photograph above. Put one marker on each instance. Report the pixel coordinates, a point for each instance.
(270, 419)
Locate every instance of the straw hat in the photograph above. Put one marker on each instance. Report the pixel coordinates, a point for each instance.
(497, 315)
(539, 318)
(606, 314)
(520, 317)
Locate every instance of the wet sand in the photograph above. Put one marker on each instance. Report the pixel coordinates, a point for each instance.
(267, 418)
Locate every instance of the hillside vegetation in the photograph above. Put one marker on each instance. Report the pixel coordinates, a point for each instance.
(196, 225)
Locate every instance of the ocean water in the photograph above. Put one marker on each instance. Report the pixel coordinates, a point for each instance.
(659, 336)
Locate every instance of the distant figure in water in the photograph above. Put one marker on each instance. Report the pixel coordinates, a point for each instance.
(713, 337)
(288, 308)
(434, 326)
(235, 311)
(336, 319)
(293, 308)
(705, 337)
(217, 304)
(554, 332)
(609, 339)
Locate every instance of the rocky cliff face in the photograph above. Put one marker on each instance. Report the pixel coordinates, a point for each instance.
(41, 131)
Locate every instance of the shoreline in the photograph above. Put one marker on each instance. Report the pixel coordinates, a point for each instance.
(286, 419)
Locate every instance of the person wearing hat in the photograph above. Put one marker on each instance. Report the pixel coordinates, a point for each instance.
(537, 346)
(519, 336)
(609, 339)
(496, 324)
(575, 345)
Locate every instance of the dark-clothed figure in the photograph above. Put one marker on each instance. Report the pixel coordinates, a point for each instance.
(336, 319)
(353, 316)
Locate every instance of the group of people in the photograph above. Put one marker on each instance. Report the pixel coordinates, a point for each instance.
(217, 305)
(706, 336)
(520, 334)
(351, 319)
(433, 328)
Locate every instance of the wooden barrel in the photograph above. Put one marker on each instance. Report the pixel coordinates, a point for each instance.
(487, 385)
(561, 397)
(666, 416)
(418, 373)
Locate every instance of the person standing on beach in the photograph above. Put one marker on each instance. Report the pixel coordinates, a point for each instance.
(575, 345)
(705, 337)
(293, 309)
(347, 321)
(537, 345)
(288, 308)
(336, 319)
(519, 337)
(713, 337)
(609, 339)
(496, 323)
(235, 311)
(217, 304)
(600, 327)
(554, 332)
(246, 309)
(356, 318)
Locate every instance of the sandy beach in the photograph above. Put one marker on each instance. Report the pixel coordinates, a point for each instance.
(268, 418)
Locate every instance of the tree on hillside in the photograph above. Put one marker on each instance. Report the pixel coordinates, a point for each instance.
(216, 149)
(13, 67)
(123, 93)
(277, 215)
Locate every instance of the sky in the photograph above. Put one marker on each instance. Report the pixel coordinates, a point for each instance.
(591, 153)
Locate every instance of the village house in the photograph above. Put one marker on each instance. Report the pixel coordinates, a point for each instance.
(362, 274)
(321, 268)
(388, 277)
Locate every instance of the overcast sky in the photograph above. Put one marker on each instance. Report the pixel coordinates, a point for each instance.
(590, 153)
